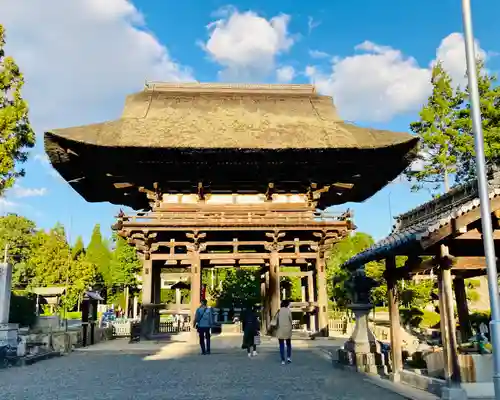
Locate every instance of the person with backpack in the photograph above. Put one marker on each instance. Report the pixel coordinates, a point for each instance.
(203, 322)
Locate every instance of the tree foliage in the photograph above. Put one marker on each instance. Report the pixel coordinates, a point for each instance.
(17, 233)
(16, 134)
(240, 288)
(337, 275)
(445, 130)
(124, 264)
(99, 254)
(438, 131)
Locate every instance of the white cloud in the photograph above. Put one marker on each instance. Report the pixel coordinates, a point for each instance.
(21, 192)
(381, 82)
(312, 24)
(246, 44)
(7, 206)
(81, 58)
(318, 54)
(285, 74)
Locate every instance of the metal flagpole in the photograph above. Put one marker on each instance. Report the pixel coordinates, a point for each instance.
(488, 243)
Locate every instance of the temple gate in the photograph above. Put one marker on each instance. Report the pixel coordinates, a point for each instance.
(230, 175)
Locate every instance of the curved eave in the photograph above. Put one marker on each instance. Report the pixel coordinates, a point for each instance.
(85, 167)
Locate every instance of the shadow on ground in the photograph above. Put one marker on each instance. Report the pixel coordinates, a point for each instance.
(175, 370)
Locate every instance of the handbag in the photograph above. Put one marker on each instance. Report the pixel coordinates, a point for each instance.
(256, 340)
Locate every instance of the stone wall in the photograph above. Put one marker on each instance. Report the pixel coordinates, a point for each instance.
(65, 342)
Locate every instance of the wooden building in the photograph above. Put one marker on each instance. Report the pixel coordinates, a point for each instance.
(442, 236)
(230, 175)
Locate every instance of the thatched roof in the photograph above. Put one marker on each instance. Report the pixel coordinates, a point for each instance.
(231, 137)
(222, 116)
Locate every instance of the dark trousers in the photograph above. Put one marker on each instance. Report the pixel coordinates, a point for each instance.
(288, 348)
(250, 348)
(204, 334)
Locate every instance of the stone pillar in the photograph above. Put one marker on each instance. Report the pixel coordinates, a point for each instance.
(394, 320)
(362, 351)
(8, 332)
(127, 300)
(178, 299)
(322, 294)
(195, 284)
(274, 282)
(147, 299)
(462, 308)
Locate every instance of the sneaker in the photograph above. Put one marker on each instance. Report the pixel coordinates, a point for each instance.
(289, 360)
(254, 353)
(249, 355)
(282, 363)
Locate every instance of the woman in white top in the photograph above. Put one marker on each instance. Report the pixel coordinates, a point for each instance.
(284, 331)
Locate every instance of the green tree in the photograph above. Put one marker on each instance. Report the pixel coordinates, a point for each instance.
(16, 134)
(78, 249)
(18, 233)
(125, 263)
(437, 129)
(489, 93)
(336, 275)
(240, 288)
(51, 258)
(98, 254)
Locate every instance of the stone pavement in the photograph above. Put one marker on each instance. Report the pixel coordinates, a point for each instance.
(175, 370)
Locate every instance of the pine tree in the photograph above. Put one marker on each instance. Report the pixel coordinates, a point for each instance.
(438, 132)
(489, 93)
(15, 131)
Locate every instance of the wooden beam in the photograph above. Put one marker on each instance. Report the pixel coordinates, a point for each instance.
(453, 227)
(299, 274)
(474, 234)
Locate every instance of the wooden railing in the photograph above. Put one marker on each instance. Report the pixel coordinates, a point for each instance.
(238, 218)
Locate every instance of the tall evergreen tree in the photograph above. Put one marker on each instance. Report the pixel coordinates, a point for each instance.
(489, 93)
(438, 132)
(99, 255)
(78, 249)
(16, 134)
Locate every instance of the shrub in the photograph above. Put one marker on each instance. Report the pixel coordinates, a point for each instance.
(419, 318)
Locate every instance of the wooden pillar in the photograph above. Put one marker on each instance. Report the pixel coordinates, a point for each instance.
(322, 293)
(274, 282)
(394, 321)
(443, 327)
(135, 311)
(195, 284)
(147, 298)
(127, 300)
(447, 291)
(267, 301)
(156, 297)
(311, 299)
(462, 308)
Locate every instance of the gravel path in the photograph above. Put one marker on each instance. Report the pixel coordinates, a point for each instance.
(174, 374)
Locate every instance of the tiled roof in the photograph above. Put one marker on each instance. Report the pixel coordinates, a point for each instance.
(415, 226)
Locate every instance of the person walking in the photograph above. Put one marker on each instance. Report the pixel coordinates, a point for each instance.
(203, 322)
(251, 330)
(283, 322)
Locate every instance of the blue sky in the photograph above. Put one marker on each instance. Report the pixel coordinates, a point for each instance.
(81, 58)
